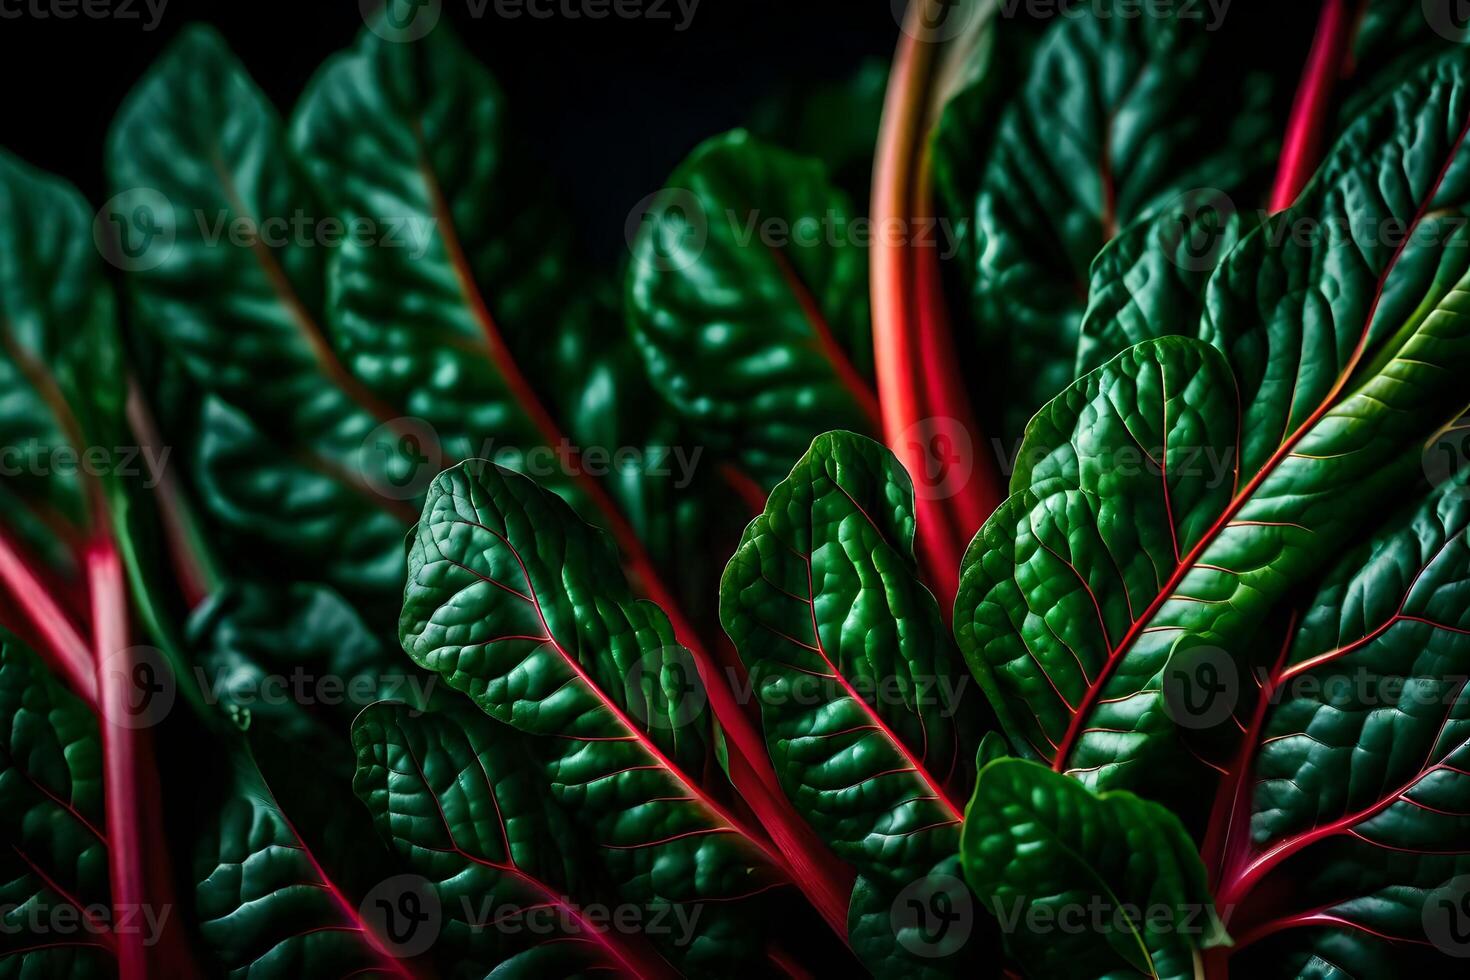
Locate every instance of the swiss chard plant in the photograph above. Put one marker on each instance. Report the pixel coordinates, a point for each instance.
(1081, 410)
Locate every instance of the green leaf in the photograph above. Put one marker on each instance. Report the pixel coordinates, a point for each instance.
(264, 905)
(1166, 501)
(459, 276)
(521, 606)
(54, 865)
(747, 295)
(296, 659)
(1353, 783)
(217, 228)
(1150, 281)
(930, 927)
(861, 691)
(1116, 116)
(454, 306)
(60, 366)
(464, 799)
(1047, 856)
(862, 694)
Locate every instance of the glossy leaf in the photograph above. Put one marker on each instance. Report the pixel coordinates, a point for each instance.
(297, 660)
(60, 364)
(1150, 281)
(747, 295)
(264, 906)
(517, 603)
(216, 226)
(1165, 501)
(861, 691)
(409, 139)
(863, 697)
(464, 799)
(1116, 116)
(54, 865)
(1045, 854)
(1352, 781)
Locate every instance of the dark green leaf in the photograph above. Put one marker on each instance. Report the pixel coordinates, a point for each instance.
(1152, 277)
(217, 226)
(264, 906)
(747, 295)
(1165, 502)
(1116, 116)
(520, 605)
(862, 694)
(1353, 787)
(861, 690)
(464, 799)
(60, 367)
(54, 864)
(1047, 856)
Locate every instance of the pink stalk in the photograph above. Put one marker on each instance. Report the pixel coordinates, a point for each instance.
(926, 411)
(120, 756)
(1301, 150)
(136, 849)
(62, 644)
(812, 868)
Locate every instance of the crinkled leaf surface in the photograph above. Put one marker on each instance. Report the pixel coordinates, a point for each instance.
(217, 227)
(264, 906)
(464, 799)
(54, 865)
(1165, 501)
(60, 370)
(861, 691)
(520, 605)
(1039, 847)
(747, 295)
(863, 696)
(1150, 281)
(1116, 115)
(1354, 782)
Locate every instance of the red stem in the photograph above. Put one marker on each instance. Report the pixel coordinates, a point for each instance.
(824, 881)
(138, 848)
(926, 411)
(1301, 149)
(122, 745)
(63, 645)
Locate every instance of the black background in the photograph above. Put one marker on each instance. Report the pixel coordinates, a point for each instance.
(609, 106)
